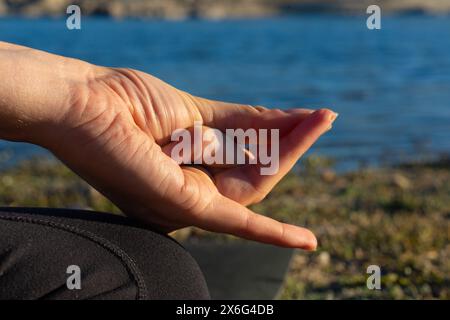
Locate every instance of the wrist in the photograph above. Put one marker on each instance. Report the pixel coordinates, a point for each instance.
(36, 93)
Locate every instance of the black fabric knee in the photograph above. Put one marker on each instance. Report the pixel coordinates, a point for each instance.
(117, 258)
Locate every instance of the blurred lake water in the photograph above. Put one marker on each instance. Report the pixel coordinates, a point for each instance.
(390, 86)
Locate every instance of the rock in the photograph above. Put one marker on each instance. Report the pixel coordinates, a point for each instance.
(46, 7)
(328, 175)
(229, 9)
(7, 181)
(324, 259)
(397, 292)
(432, 255)
(401, 181)
(3, 8)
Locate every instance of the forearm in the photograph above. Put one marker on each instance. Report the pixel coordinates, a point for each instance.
(35, 91)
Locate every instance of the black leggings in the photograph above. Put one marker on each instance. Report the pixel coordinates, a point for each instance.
(115, 258)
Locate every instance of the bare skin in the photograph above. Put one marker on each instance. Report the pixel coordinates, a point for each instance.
(111, 126)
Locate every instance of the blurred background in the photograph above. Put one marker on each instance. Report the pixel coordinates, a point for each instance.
(376, 189)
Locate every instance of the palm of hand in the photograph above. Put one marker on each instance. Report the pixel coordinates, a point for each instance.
(120, 121)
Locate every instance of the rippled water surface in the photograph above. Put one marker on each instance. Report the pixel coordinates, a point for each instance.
(391, 87)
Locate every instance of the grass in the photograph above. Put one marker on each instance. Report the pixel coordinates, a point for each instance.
(396, 217)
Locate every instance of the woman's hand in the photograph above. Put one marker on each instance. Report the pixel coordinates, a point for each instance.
(113, 126)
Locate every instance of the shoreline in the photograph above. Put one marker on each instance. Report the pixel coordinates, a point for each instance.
(219, 9)
(293, 16)
(12, 157)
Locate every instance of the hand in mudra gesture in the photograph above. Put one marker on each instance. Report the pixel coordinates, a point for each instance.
(113, 126)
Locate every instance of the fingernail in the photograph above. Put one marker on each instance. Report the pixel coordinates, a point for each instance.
(333, 116)
(310, 243)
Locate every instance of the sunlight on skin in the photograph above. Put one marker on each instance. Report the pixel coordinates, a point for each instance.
(110, 126)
